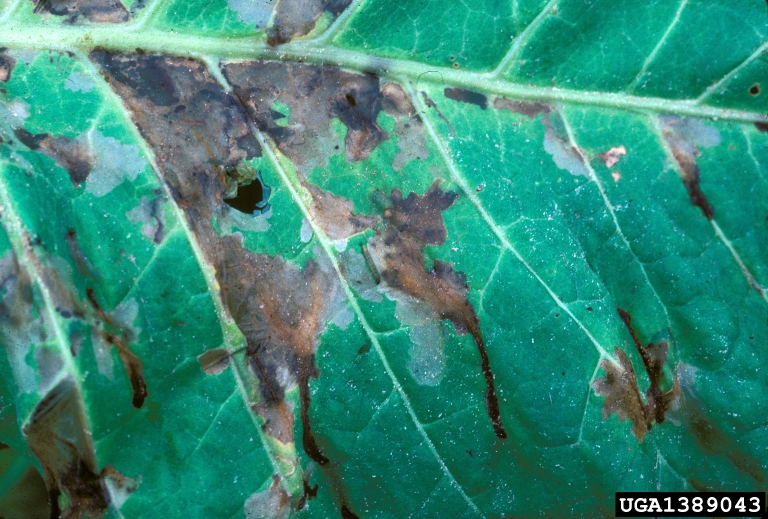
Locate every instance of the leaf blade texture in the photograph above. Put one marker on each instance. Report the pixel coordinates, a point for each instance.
(382, 259)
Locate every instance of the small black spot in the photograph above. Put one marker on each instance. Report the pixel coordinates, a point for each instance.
(763, 127)
(250, 197)
(557, 315)
(563, 373)
(470, 453)
(754, 89)
(351, 100)
(364, 349)
(589, 309)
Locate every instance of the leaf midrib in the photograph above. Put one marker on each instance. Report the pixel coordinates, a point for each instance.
(128, 38)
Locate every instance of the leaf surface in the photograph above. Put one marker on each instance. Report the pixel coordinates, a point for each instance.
(382, 259)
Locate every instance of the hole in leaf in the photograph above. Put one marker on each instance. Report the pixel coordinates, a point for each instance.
(249, 199)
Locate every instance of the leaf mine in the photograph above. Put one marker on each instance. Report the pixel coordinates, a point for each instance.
(19, 330)
(294, 18)
(684, 137)
(467, 96)
(114, 334)
(335, 215)
(70, 154)
(96, 11)
(397, 250)
(150, 214)
(621, 391)
(7, 64)
(342, 290)
(526, 108)
(199, 133)
(272, 503)
(57, 433)
(315, 95)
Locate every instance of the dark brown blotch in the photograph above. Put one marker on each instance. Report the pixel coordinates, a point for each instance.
(114, 335)
(763, 127)
(397, 249)
(346, 513)
(96, 11)
(691, 174)
(196, 130)
(84, 266)
(70, 154)
(315, 94)
(7, 64)
(754, 89)
(279, 307)
(621, 391)
(57, 434)
(467, 96)
(295, 18)
(526, 108)
(679, 134)
(431, 104)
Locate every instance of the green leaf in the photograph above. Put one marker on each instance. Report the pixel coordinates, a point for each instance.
(381, 258)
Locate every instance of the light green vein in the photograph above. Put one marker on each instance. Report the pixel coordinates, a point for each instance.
(652, 56)
(339, 22)
(725, 79)
(522, 38)
(128, 38)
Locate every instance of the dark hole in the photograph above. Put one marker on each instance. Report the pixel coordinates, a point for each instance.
(351, 100)
(754, 89)
(249, 198)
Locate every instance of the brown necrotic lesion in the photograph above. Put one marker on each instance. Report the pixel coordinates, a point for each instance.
(200, 135)
(113, 334)
(96, 11)
(397, 252)
(620, 388)
(57, 433)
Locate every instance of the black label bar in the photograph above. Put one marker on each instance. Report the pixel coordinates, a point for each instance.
(690, 504)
